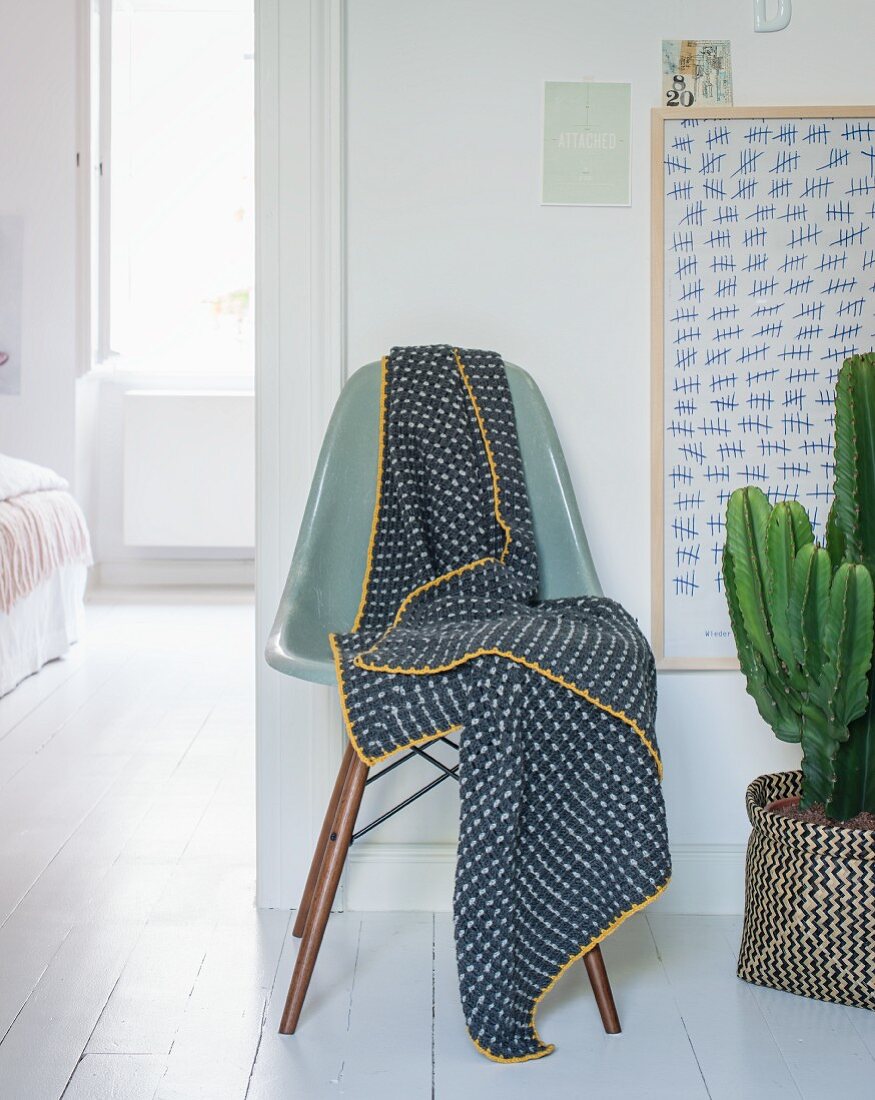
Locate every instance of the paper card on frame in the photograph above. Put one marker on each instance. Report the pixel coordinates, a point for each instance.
(696, 73)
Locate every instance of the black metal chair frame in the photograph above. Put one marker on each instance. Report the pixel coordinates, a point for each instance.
(412, 752)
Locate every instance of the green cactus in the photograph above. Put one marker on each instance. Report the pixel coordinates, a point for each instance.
(802, 614)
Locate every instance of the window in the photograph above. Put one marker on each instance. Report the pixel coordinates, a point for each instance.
(176, 261)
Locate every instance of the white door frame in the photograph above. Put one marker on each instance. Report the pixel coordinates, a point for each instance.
(300, 369)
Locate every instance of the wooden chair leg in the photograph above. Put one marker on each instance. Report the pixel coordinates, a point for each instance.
(322, 843)
(601, 987)
(324, 890)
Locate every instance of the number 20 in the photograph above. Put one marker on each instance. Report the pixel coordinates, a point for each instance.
(679, 94)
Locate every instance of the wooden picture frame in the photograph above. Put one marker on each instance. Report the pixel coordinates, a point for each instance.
(659, 117)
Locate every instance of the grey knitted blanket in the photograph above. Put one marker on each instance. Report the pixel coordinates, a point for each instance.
(562, 823)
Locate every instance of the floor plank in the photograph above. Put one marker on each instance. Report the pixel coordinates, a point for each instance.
(819, 1043)
(67, 778)
(115, 1077)
(144, 1010)
(735, 1049)
(33, 691)
(372, 967)
(393, 984)
(124, 848)
(311, 1062)
(58, 1017)
(112, 789)
(864, 1025)
(218, 1037)
(823, 1050)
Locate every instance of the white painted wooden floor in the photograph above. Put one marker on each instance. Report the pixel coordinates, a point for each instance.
(133, 964)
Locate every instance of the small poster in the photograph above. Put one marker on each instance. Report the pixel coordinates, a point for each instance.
(696, 73)
(11, 238)
(587, 127)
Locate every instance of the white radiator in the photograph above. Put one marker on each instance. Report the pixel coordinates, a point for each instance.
(189, 469)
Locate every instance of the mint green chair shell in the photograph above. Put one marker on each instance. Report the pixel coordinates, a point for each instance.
(324, 584)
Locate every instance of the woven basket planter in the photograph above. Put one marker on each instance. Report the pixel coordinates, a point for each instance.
(809, 909)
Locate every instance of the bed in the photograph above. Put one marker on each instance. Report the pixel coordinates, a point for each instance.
(45, 552)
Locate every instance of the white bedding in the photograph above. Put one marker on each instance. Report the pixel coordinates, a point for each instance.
(44, 557)
(42, 625)
(18, 477)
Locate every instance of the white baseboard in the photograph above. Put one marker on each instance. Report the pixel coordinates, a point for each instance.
(707, 878)
(173, 573)
(400, 876)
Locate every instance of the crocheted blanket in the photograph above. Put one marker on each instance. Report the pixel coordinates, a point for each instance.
(562, 823)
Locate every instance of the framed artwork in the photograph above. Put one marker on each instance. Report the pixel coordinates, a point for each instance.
(586, 158)
(763, 283)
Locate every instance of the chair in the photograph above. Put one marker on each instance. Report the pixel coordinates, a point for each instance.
(322, 595)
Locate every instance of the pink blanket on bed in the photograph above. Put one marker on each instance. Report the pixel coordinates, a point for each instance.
(39, 532)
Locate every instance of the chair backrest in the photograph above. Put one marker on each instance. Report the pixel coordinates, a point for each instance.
(324, 585)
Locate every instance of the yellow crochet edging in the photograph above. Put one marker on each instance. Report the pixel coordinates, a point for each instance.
(496, 499)
(594, 942)
(376, 518)
(490, 458)
(548, 673)
(408, 599)
(548, 1049)
(347, 721)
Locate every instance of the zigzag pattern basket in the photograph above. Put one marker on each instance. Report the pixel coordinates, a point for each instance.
(809, 910)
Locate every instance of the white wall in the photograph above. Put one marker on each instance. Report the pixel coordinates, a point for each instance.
(300, 355)
(447, 243)
(38, 182)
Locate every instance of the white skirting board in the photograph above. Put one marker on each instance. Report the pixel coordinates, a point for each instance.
(174, 573)
(707, 879)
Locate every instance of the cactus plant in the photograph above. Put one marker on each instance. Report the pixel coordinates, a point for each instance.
(802, 614)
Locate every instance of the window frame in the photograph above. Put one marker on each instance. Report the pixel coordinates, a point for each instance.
(94, 204)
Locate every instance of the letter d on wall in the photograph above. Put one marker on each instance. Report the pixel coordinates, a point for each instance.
(778, 22)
